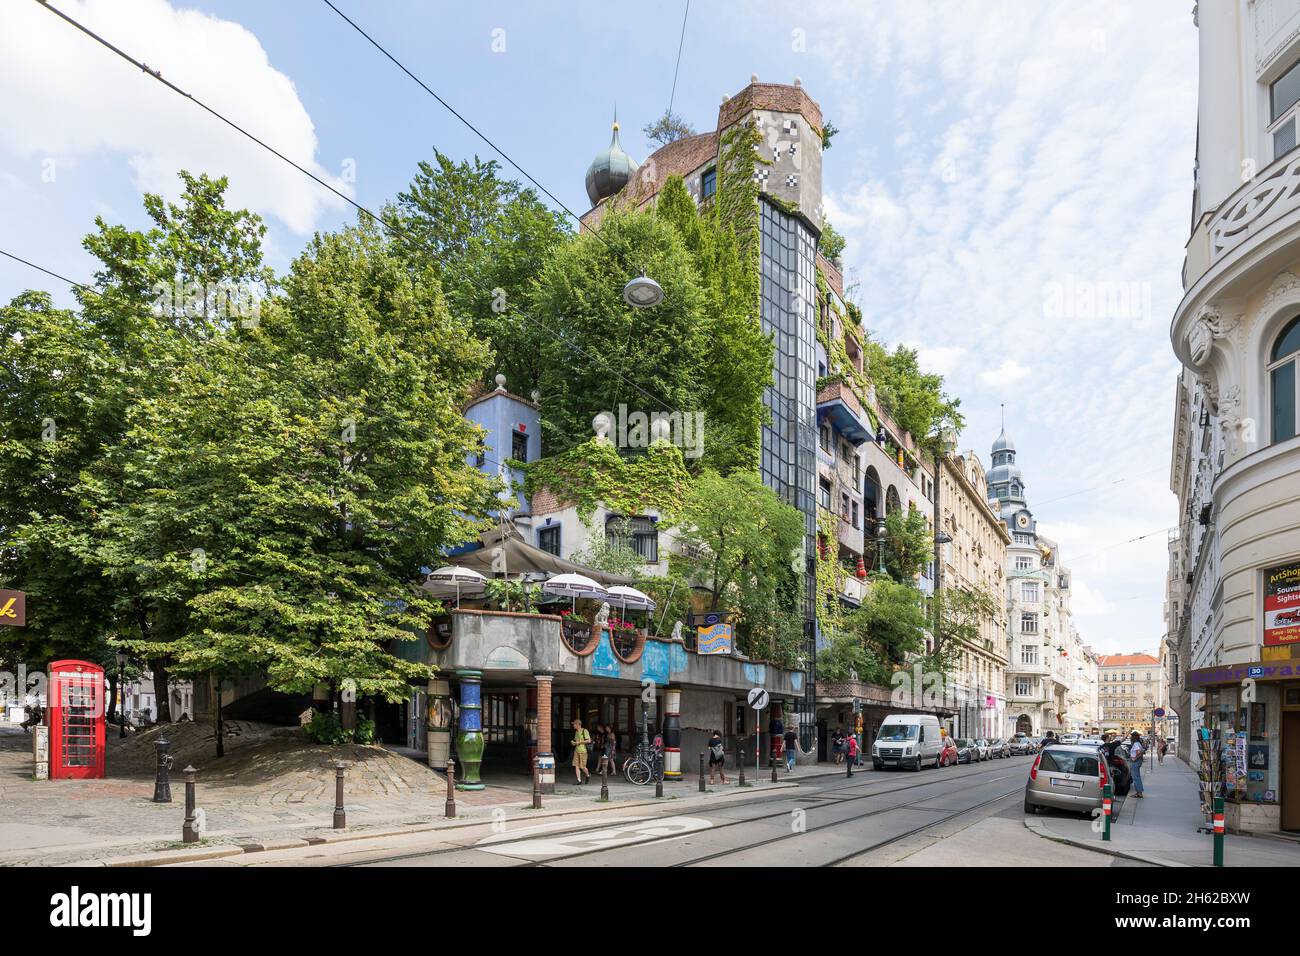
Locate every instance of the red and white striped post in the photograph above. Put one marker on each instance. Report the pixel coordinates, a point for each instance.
(1218, 831)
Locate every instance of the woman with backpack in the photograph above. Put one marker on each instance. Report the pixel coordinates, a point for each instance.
(717, 757)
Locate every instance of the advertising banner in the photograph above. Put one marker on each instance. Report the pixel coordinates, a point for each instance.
(1282, 605)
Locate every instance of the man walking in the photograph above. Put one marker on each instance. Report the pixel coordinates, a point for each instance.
(853, 752)
(791, 745)
(1135, 754)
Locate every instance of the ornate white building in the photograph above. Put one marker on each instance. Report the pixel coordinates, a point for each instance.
(1236, 452)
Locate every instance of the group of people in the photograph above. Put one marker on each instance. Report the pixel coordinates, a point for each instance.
(844, 746)
(1138, 748)
(605, 745)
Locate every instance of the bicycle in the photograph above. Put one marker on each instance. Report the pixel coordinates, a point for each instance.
(644, 765)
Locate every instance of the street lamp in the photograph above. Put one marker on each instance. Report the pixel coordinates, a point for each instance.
(643, 292)
(880, 545)
(121, 693)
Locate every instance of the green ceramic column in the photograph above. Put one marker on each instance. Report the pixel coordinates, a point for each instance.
(469, 742)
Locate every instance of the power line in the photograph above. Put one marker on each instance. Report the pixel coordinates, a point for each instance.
(390, 227)
(456, 113)
(680, 43)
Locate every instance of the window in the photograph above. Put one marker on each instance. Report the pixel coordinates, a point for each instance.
(1283, 95)
(826, 437)
(518, 446)
(824, 493)
(853, 508)
(844, 506)
(1028, 623)
(548, 540)
(1024, 563)
(1282, 381)
(857, 472)
(709, 183)
(1024, 538)
(1022, 687)
(1029, 592)
(639, 534)
(1029, 654)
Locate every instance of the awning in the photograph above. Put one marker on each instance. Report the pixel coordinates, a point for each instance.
(523, 558)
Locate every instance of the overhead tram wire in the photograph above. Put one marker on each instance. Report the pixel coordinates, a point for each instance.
(791, 408)
(383, 223)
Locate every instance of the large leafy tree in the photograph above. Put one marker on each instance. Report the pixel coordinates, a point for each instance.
(486, 239)
(885, 633)
(289, 488)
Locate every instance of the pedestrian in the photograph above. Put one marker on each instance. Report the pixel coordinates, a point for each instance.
(1135, 754)
(604, 750)
(717, 757)
(1048, 740)
(580, 740)
(1164, 749)
(791, 742)
(837, 745)
(852, 752)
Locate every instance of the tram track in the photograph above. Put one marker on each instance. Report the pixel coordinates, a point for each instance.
(826, 797)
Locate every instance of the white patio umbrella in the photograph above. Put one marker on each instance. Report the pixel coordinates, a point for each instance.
(632, 598)
(576, 586)
(457, 576)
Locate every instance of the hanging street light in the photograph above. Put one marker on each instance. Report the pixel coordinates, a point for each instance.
(643, 292)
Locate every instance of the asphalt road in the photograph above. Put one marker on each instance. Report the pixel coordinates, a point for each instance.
(965, 814)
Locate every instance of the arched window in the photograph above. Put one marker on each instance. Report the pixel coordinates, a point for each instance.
(871, 494)
(892, 502)
(1282, 381)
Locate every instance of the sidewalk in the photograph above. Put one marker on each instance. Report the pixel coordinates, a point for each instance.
(1161, 828)
(288, 800)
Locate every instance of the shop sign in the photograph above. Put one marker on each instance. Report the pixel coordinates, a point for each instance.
(1282, 605)
(1235, 673)
(13, 608)
(714, 639)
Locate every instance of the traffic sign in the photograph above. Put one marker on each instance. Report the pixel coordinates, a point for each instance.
(758, 698)
(1159, 711)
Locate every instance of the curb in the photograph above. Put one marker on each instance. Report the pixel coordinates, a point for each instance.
(1040, 828)
(215, 852)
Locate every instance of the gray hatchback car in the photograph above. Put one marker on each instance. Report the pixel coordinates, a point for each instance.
(1066, 777)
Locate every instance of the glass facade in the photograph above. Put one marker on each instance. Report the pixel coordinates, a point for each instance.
(789, 457)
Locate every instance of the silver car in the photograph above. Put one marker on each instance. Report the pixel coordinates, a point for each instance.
(1066, 777)
(1020, 744)
(998, 748)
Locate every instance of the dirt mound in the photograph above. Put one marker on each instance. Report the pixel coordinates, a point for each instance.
(266, 756)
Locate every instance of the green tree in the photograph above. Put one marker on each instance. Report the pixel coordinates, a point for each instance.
(831, 243)
(743, 548)
(885, 633)
(909, 544)
(667, 129)
(960, 613)
(914, 399)
(486, 238)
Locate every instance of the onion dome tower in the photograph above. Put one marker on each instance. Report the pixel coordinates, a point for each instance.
(610, 170)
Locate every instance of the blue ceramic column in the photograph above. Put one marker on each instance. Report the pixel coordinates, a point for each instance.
(469, 741)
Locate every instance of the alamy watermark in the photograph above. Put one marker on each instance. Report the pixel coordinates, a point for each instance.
(638, 429)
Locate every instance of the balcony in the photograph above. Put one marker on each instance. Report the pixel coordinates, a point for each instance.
(512, 647)
(837, 402)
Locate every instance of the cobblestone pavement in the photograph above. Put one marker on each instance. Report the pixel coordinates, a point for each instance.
(270, 787)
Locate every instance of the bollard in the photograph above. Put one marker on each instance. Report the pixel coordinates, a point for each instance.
(740, 763)
(1107, 802)
(1218, 831)
(188, 833)
(340, 817)
(604, 781)
(162, 787)
(702, 789)
(451, 789)
(659, 777)
(537, 783)
(774, 771)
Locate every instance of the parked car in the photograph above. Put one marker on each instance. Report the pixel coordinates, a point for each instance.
(1070, 738)
(907, 740)
(1020, 744)
(1067, 778)
(998, 747)
(950, 754)
(967, 750)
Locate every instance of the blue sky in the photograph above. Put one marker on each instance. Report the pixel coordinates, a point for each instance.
(1013, 178)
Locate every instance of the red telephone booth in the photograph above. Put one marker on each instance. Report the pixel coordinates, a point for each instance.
(76, 705)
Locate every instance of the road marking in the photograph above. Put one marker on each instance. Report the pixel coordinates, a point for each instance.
(604, 838)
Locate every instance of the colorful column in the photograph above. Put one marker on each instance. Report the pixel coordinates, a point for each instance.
(469, 742)
(776, 730)
(672, 733)
(530, 724)
(439, 723)
(545, 753)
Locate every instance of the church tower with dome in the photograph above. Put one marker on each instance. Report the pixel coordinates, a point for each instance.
(1007, 488)
(610, 171)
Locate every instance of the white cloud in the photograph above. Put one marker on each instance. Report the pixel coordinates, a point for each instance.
(1004, 157)
(64, 96)
(1008, 373)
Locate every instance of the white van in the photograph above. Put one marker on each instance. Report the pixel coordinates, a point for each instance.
(907, 740)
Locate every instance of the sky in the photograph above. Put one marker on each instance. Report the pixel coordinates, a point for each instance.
(1013, 179)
